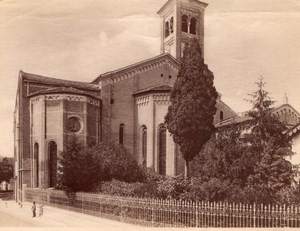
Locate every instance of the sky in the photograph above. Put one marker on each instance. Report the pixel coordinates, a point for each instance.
(80, 39)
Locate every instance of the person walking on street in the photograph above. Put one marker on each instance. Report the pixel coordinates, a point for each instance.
(33, 209)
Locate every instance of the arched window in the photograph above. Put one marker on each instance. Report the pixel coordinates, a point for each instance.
(167, 29)
(52, 149)
(193, 25)
(171, 25)
(184, 23)
(36, 164)
(144, 145)
(121, 133)
(162, 149)
(221, 115)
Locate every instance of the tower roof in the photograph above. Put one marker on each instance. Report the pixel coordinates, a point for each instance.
(204, 4)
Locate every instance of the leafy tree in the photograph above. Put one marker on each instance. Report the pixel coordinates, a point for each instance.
(224, 157)
(250, 157)
(6, 171)
(269, 145)
(193, 99)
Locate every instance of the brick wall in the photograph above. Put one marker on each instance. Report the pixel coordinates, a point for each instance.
(122, 108)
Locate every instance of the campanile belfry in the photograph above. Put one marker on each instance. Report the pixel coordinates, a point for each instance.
(181, 20)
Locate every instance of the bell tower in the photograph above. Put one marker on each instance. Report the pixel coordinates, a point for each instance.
(180, 21)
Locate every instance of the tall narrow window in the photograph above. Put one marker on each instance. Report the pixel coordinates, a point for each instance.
(52, 164)
(121, 133)
(162, 149)
(184, 23)
(171, 25)
(193, 25)
(167, 29)
(36, 164)
(144, 145)
(221, 115)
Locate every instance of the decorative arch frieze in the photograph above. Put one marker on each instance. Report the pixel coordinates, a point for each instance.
(162, 99)
(93, 101)
(68, 97)
(52, 97)
(286, 110)
(190, 12)
(75, 98)
(142, 101)
(35, 100)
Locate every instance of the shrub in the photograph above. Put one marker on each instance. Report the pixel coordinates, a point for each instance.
(289, 195)
(173, 187)
(145, 188)
(77, 169)
(83, 170)
(121, 188)
(116, 163)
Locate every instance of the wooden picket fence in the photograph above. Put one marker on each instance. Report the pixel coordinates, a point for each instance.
(171, 213)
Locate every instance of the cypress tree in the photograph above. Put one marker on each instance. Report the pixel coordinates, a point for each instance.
(193, 98)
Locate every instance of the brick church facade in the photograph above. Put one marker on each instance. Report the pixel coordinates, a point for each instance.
(125, 106)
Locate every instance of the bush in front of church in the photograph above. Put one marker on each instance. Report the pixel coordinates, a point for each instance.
(77, 168)
(116, 162)
(85, 169)
(121, 188)
(146, 188)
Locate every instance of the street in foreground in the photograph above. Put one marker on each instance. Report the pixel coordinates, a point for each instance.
(12, 215)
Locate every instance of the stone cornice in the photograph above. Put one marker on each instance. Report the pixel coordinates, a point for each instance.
(67, 97)
(286, 108)
(191, 12)
(169, 2)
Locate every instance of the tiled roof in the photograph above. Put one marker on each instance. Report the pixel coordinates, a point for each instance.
(244, 118)
(59, 82)
(59, 90)
(233, 120)
(136, 65)
(159, 88)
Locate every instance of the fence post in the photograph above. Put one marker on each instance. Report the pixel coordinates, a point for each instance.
(152, 211)
(254, 215)
(196, 213)
(291, 215)
(121, 209)
(283, 216)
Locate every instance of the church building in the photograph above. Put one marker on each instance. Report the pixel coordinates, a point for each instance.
(125, 106)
